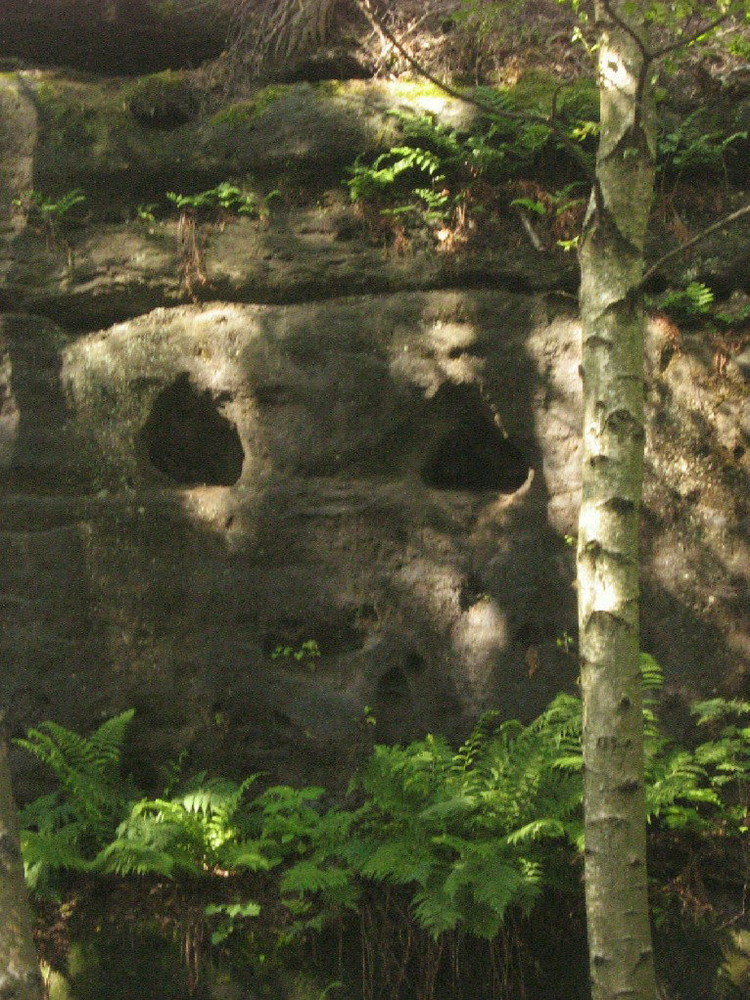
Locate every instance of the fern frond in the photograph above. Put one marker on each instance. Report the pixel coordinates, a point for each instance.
(306, 876)
(106, 741)
(652, 676)
(244, 854)
(719, 708)
(399, 860)
(536, 830)
(47, 853)
(125, 856)
(436, 911)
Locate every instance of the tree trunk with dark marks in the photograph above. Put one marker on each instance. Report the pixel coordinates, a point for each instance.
(19, 968)
(612, 263)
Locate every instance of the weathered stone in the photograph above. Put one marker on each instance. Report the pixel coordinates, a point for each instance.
(113, 36)
(108, 273)
(393, 475)
(348, 443)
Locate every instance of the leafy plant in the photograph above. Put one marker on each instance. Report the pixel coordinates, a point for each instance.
(466, 828)
(306, 654)
(50, 213)
(378, 178)
(689, 304)
(444, 178)
(195, 832)
(465, 836)
(689, 148)
(66, 829)
(146, 213)
(225, 196)
(726, 758)
(217, 204)
(436, 172)
(232, 915)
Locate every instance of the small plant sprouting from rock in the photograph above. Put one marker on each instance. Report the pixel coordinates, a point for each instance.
(688, 304)
(306, 655)
(49, 215)
(217, 205)
(225, 199)
(146, 213)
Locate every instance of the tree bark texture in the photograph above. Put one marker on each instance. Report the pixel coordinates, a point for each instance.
(612, 263)
(19, 969)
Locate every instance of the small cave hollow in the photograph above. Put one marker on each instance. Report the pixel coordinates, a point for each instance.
(394, 707)
(188, 439)
(472, 453)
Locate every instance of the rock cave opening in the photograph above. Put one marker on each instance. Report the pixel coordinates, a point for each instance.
(472, 453)
(188, 439)
(394, 707)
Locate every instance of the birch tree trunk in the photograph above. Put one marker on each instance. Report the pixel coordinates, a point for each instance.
(19, 968)
(612, 262)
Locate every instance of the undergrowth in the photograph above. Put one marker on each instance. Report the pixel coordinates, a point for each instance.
(431, 845)
(452, 180)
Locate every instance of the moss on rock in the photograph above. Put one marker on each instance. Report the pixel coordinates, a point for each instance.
(161, 100)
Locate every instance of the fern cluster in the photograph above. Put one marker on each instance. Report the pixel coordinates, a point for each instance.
(437, 169)
(468, 835)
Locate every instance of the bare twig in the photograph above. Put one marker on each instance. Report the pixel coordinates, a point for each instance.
(685, 42)
(526, 116)
(530, 231)
(725, 221)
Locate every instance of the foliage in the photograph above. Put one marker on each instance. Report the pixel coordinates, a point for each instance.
(306, 654)
(145, 213)
(689, 304)
(561, 211)
(194, 832)
(225, 197)
(219, 203)
(469, 834)
(50, 213)
(437, 171)
(688, 148)
(65, 830)
(231, 914)
(469, 829)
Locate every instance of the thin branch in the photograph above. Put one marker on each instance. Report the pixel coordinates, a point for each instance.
(366, 8)
(530, 231)
(732, 217)
(684, 42)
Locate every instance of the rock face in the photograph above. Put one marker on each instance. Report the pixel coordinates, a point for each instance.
(113, 36)
(393, 477)
(207, 484)
(374, 451)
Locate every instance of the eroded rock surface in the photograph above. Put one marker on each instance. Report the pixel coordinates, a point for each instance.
(367, 444)
(394, 477)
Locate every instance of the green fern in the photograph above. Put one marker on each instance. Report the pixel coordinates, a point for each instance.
(194, 833)
(65, 830)
(225, 196)
(467, 834)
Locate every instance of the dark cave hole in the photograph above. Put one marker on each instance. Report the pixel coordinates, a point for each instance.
(394, 707)
(189, 440)
(473, 454)
(393, 687)
(472, 591)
